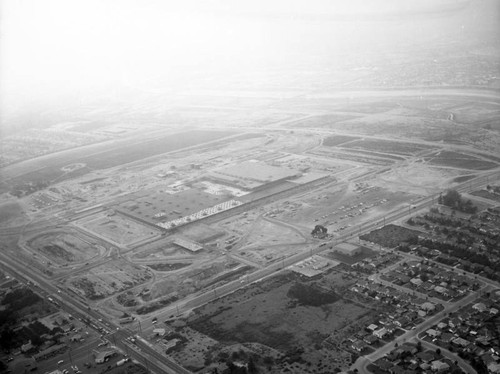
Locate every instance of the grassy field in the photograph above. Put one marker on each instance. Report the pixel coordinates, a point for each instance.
(460, 160)
(387, 146)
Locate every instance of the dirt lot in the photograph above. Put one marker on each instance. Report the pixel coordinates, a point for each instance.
(118, 229)
(65, 247)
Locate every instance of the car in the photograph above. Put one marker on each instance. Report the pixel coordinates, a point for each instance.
(60, 362)
(65, 371)
(154, 320)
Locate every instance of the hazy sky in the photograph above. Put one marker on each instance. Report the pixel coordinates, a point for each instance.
(48, 47)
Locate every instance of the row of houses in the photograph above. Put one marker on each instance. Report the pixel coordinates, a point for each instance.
(431, 280)
(471, 331)
(408, 306)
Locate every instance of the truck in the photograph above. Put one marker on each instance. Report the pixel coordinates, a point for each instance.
(121, 362)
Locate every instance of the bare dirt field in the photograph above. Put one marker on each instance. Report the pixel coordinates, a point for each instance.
(118, 229)
(108, 279)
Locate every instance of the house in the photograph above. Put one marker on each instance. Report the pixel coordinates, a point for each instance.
(358, 345)
(454, 322)
(76, 338)
(402, 321)
(460, 342)
(380, 333)
(439, 366)
(370, 339)
(428, 307)
(441, 325)
(433, 333)
(446, 337)
(416, 281)
(425, 356)
(372, 327)
(494, 368)
(26, 347)
(441, 290)
(480, 307)
(383, 364)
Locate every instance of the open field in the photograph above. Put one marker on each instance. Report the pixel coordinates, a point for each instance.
(386, 146)
(102, 156)
(65, 247)
(487, 195)
(284, 313)
(459, 160)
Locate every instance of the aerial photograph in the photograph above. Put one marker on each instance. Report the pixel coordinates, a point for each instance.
(250, 186)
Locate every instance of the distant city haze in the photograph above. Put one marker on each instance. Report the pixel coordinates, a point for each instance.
(56, 52)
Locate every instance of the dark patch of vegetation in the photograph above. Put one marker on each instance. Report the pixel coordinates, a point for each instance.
(391, 235)
(307, 294)
(454, 200)
(168, 267)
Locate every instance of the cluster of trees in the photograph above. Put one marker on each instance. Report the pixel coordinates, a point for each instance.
(28, 188)
(493, 189)
(454, 200)
(11, 311)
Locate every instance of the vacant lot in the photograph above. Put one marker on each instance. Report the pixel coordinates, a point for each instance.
(108, 279)
(65, 247)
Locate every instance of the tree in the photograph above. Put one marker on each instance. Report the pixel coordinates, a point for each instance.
(438, 351)
(252, 368)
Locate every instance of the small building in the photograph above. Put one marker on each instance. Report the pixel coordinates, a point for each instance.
(480, 307)
(433, 333)
(439, 366)
(159, 332)
(428, 307)
(380, 333)
(26, 347)
(372, 327)
(102, 357)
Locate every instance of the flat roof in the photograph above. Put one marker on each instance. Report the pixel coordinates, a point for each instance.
(188, 244)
